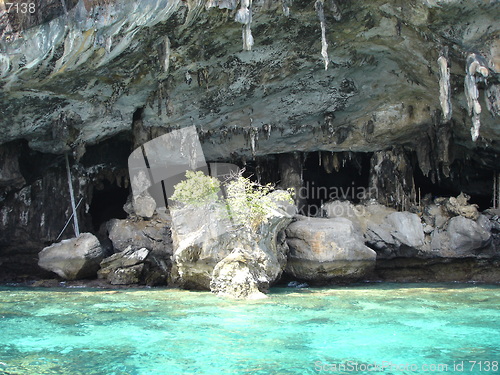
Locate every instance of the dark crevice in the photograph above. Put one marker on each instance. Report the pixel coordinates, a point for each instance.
(107, 203)
(465, 177)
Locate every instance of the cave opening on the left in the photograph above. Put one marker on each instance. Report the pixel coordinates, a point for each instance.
(107, 203)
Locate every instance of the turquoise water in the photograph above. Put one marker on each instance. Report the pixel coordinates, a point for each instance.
(407, 328)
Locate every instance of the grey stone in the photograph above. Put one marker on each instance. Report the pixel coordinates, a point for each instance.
(73, 259)
(210, 254)
(399, 234)
(327, 250)
(237, 276)
(126, 276)
(407, 228)
(144, 205)
(152, 234)
(463, 238)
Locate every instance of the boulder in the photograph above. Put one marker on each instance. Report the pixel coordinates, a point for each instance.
(324, 250)
(154, 235)
(144, 205)
(126, 276)
(399, 234)
(460, 206)
(211, 254)
(73, 259)
(133, 266)
(238, 276)
(463, 238)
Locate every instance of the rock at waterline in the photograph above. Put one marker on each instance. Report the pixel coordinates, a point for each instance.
(72, 259)
(323, 250)
(210, 254)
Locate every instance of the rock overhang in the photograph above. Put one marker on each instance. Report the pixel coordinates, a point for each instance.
(381, 87)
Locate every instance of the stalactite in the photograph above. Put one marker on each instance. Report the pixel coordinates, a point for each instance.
(286, 7)
(319, 5)
(166, 57)
(444, 87)
(335, 162)
(254, 136)
(244, 16)
(476, 70)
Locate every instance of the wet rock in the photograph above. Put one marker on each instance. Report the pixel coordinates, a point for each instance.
(135, 266)
(126, 276)
(323, 250)
(238, 276)
(73, 259)
(153, 236)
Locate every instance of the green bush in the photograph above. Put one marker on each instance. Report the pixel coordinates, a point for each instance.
(196, 190)
(248, 203)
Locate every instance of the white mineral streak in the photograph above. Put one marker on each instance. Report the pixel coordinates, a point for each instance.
(476, 70)
(444, 88)
(166, 60)
(4, 64)
(222, 4)
(109, 43)
(244, 16)
(319, 5)
(77, 30)
(286, 7)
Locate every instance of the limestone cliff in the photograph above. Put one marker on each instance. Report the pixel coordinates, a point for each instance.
(257, 78)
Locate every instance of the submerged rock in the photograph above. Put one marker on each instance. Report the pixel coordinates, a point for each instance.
(73, 259)
(323, 250)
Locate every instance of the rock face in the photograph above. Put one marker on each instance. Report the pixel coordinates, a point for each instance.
(371, 97)
(463, 238)
(400, 82)
(232, 263)
(400, 234)
(144, 251)
(73, 259)
(323, 250)
(124, 268)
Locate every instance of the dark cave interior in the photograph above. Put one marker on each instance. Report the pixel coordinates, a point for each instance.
(107, 203)
(347, 182)
(473, 180)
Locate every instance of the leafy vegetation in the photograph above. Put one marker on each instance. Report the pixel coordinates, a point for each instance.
(197, 189)
(248, 203)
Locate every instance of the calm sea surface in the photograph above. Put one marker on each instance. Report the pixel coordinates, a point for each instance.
(363, 329)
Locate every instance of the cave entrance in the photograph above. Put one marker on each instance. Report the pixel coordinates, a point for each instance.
(472, 180)
(107, 203)
(333, 176)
